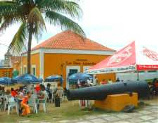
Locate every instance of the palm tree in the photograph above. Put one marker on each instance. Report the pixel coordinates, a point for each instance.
(32, 15)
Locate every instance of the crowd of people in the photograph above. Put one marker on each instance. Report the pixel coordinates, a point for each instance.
(103, 82)
(88, 83)
(55, 95)
(153, 86)
(92, 82)
(22, 95)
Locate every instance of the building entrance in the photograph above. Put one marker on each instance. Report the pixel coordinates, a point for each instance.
(72, 71)
(69, 71)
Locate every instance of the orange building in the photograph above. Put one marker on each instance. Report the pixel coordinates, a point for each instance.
(6, 72)
(5, 68)
(64, 54)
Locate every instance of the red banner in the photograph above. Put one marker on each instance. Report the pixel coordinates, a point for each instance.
(147, 67)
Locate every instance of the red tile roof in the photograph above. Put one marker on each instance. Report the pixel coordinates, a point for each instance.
(72, 41)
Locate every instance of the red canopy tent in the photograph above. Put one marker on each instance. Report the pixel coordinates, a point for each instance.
(130, 58)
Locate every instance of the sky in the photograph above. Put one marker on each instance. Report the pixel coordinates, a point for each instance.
(112, 23)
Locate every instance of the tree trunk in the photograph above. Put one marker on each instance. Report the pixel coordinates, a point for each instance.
(29, 54)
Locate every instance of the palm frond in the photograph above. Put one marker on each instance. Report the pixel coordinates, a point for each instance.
(10, 12)
(22, 2)
(8, 8)
(58, 19)
(18, 42)
(63, 6)
(36, 20)
(6, 23)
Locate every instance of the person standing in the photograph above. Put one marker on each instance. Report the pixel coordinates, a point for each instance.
(95, 81)
(155, 86)
(89, 82)
(58, 96)
(61, 80)
(117, 80)
(43, 93)
(49, 92)
(85, 103)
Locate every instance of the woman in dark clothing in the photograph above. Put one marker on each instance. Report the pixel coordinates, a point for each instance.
(155, 86)
(49, 92)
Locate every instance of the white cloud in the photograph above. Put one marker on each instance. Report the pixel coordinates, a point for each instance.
(113, 23)
(117, 22)
(5, 39)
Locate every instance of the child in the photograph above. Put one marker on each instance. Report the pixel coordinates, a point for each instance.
(24, 105)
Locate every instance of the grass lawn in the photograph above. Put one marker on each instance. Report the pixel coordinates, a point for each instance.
(68, 110)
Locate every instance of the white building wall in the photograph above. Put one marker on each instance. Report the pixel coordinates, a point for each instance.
(133, 76)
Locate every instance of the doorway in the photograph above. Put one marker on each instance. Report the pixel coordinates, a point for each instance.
(72, 71)
(69, 71)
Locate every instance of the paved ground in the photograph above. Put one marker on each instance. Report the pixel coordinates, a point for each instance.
(148, 114)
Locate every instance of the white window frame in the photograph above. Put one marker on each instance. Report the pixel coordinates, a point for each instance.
(25, 68)
(71, 67)
(32, 67)
(21, 70)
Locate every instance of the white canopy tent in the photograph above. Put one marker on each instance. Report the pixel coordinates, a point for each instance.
(131, 58)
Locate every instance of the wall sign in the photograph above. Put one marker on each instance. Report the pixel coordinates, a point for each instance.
(83, 62)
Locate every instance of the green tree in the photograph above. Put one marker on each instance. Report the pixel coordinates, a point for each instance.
(32, 14)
